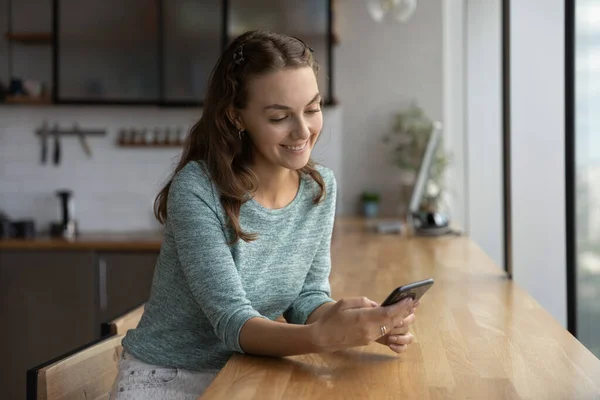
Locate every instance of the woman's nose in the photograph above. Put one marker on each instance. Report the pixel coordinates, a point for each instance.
(302, 131)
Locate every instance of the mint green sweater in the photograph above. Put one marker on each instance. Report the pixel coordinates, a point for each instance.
(204, 290)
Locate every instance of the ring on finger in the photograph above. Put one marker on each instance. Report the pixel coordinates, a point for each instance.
(383, 330)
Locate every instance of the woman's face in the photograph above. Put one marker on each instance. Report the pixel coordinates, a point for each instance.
(283, 117)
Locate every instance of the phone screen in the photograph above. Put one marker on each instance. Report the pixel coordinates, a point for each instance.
(414, 290)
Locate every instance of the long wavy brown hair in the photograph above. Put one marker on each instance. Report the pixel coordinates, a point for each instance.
(215, 140)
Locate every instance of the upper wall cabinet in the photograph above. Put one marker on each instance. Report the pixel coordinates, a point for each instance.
(307, 20)
(157, 52)
(107, 51)
(26, 50)
(191, 43)
(138, 51)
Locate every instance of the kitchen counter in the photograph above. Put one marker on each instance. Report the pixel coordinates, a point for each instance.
(100, 241)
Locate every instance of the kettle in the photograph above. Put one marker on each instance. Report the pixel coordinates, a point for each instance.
(67, 226)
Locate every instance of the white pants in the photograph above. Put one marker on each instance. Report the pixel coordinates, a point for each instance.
(138, 380)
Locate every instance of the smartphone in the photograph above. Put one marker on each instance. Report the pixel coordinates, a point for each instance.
(414, 290)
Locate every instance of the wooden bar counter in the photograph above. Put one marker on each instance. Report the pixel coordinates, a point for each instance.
(478, 335)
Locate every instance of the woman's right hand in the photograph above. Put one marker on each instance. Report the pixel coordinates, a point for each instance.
(357, 321)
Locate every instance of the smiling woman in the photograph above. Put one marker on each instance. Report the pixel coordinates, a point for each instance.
(248, 223)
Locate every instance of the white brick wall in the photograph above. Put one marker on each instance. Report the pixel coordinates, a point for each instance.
(115, 189)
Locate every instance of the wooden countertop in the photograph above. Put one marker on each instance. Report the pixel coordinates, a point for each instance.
(477, 335)
(107, 241)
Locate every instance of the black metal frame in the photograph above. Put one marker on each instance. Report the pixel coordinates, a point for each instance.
(571, 231)
(160, 50)
(55, 50)
(160, 101)
(506, 160)
(331, 98)
(224, 23)
(10, 45)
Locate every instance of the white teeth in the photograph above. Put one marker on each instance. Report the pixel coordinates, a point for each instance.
(296, 148)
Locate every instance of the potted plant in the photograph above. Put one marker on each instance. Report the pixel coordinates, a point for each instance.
(410, 134)
(370, 203)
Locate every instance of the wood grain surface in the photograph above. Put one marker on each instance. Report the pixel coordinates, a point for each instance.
(478, 335)
(88, 374)
(100, 241)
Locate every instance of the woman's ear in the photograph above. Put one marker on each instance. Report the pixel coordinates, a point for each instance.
(235, 118)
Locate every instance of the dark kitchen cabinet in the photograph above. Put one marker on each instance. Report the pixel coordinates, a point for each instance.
(52, 302)
(192, 43)
(307, 20)
(141, 51)
(161, 52)
(47, 303)
(147, 52)
(25, 44)
(5, 48)
(107, 51)
(125, 280)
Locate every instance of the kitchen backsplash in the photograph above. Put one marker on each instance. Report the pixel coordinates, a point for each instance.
(114, 189)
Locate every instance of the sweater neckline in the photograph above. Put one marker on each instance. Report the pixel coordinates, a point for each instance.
(280, 211)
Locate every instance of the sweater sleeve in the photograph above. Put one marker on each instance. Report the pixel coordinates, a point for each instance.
(316, 289)
(205, 258)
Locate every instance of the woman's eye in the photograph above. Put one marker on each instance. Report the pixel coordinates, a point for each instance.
(276, 120)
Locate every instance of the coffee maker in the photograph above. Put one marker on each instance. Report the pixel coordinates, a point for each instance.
(66, 227)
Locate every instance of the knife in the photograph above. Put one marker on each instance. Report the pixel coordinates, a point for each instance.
(56, 146)
(83, 141)
(44, 138)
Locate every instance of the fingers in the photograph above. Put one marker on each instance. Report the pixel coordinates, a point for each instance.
(399, 348)
(400, 339)
(391, 316)
(399, 330)
(396, 339)
(402, 327)
(403, 308)
(356, 302)
(399, 343)
(377, 323)
(410, 319)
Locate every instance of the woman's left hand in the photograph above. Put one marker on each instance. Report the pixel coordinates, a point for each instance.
(399, 338)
